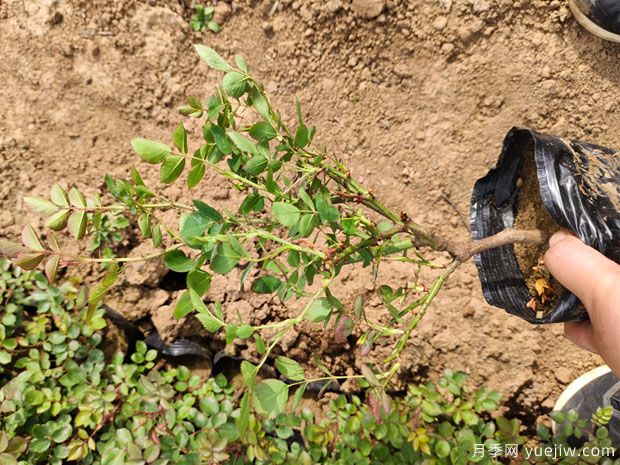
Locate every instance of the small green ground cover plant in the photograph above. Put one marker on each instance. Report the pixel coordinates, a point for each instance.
(63, 401)
(203, 19)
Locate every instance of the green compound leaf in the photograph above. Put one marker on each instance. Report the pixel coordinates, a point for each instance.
(150, 151)
(270, 397)
(288, 215)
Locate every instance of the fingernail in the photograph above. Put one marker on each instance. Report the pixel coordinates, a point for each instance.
(558, 236)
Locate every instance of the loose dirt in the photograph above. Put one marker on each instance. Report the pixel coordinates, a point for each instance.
(415, 95)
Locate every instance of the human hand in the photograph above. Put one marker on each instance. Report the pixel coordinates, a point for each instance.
(595, 280)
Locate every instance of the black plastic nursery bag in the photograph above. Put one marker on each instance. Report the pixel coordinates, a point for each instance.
(579, 184)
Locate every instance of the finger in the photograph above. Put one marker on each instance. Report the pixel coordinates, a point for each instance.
(582, 334)
(581, 269)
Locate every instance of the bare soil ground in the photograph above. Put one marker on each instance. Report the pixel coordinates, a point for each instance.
(416, 95)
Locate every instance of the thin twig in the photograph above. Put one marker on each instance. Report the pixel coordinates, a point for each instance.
(456, 209)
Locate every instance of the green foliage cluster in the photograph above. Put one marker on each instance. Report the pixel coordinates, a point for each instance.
(62, 401)
(301, 220)
(203, 18)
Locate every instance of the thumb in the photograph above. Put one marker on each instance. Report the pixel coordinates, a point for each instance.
(584, 271)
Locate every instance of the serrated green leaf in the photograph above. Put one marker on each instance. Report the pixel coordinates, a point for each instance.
(253, 202)
(31, 240)
(299, 394)
(172, 168)
(199, 281)
(266, 284)
(156, 236)
(319, 310)
(301, 136)
(40, 206)
(270, 397)
(256, 165)
(290, 368)
(59, 196)
(51, 268)
(243, 421)
(76, 198)
(224, 259)
(244, 331)
(307, 224)
(176, 260)
(204, 315)
(29, 261)
(58, 221)
(241, 63)
(179, 137)
(62, 433)
(39, 446)
(150, 151)
(77, 224)
(102, 288)
(196, 174)
(234, 84)
(223, 142)
(194, 226)
(77, 451)
(242, 143)
(263, 131)
(327, 212)
(287, 214)
(248, 373)
(213, 59)
(207, 211)
(183, 306)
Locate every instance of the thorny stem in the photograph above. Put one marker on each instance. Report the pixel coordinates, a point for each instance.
(141, 258)
(400, 345)
(289, 323)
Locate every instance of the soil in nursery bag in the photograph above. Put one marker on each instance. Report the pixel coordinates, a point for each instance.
(547, 183)
(531, 214)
